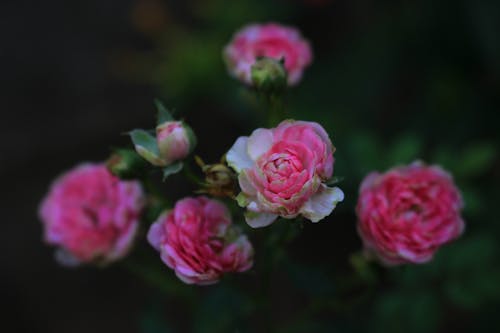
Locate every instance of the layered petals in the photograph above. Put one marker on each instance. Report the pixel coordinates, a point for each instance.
(91, 215)
(281, 172)
(407, 213)
(198, 241)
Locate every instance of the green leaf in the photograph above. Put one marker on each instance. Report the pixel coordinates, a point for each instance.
(172, 169)
(311, 280)
(144, 139)
(146, 146)
(413, 312)
(473, 271)
(334, 181)
(153, 320)
(405, 150)
(476, 159)
(163, 114)
(222, 309)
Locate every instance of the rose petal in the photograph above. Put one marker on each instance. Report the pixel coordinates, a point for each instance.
(322, 203)
(259, 142)
(237, 157)
(259, 220)
(155, 234)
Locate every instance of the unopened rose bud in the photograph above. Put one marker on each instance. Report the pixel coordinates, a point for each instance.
(269, 75)
(219, 178)
(126, 164)
(175, 140)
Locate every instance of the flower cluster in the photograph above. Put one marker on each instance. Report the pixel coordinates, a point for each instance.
(92, 214)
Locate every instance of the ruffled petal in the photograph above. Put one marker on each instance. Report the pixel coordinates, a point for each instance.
(259, 220)
(237, 157)
(259, 143)
(322, 203)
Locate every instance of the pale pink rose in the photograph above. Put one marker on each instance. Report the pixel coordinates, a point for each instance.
(281, 173)
(91, 215)
(175, 141)
(198, 241)
(270, 40)
(407, 213)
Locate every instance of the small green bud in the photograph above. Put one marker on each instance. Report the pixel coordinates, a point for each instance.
(269, 75)
(126, 164)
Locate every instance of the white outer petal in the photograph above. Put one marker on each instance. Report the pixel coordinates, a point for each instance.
(259, 142)
(322, 203)
(259, 220)
(237, 157)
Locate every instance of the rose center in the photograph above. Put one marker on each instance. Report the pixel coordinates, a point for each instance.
(282, 167)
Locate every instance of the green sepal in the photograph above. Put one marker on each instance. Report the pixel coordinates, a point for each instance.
(163, 114)
(191, 137)
(172, 169)
(146, 146)
(334, 181)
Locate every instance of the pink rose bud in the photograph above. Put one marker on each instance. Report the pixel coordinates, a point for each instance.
(175, 141)
(198, 241)
(281, 172)
(407, 213)
(91, 215)
(267, 40)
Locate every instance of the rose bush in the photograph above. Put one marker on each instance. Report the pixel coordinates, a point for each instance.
(281, 172)
(197, 240)
(267, 40)
(407, 213)
(91, 215)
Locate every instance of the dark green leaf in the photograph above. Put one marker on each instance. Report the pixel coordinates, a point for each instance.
(163, 114)
(172, 169)
(144, 139)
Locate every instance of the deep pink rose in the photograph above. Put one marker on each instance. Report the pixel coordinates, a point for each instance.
(282, 170)
(198, 241)
(407, 213)
(91, 215)
(270, 40)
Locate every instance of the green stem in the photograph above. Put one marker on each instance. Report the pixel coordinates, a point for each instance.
(160, 280)
(190, 174)
(276, 109)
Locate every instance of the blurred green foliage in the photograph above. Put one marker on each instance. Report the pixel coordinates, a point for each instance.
(392, 82)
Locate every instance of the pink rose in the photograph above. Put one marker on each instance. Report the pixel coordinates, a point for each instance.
(270, 40)
(198, 241)
(91, 215)
(407, 213)
(282, 170)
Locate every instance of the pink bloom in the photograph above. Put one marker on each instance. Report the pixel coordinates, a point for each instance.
(407, 213)
(198, 241)
(270, 40)
(282, 170)
(91, 215)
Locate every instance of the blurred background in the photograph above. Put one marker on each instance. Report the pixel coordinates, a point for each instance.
(391, 81)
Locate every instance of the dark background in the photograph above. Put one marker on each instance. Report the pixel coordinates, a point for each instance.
(392, 81)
